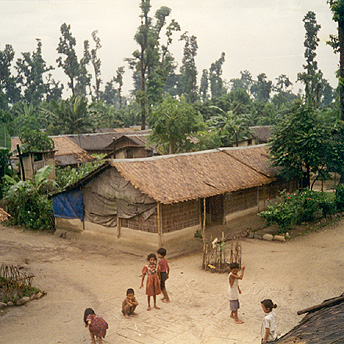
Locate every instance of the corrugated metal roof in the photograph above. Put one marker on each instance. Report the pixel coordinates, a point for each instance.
(182, 177)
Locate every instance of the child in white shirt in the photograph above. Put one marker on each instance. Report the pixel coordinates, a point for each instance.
(268, 329)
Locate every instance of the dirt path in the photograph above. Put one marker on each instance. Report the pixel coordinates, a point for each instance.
(296, 274)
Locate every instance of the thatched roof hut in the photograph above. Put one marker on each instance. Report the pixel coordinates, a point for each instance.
(322, 325)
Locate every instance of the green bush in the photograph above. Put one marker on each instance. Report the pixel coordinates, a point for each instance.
(28, 201)
(339, 198)
(293, 209)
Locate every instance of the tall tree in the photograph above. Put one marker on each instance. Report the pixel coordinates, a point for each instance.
(9, 90)
(337, 43)
(204, 87)
(96, 63)
(262, 88)
(188, 70)
(31, 68)
(217, 88)
(299, 144)
(153, 62)
(312, 76)
(70, 64)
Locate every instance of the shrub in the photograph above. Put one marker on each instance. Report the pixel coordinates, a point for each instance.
(339, 198)
(28, 201)
(296, 208)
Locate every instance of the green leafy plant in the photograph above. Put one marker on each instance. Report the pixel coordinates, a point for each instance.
(293, 209)
(28, 201)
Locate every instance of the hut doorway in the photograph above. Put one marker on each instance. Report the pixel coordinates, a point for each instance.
(214, 207)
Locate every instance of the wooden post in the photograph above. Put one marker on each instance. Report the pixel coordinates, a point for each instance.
(159, 223)
(119, 225)
(203, 232)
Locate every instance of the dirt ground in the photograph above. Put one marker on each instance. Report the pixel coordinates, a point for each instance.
(75, 274)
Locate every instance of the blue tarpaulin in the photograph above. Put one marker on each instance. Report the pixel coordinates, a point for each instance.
(69, 205)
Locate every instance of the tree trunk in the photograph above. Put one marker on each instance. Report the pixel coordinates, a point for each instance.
(341, 67)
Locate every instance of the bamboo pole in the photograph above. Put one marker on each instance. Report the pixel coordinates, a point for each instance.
(119, 226)
(203, 232)
(322, 305)
(159, 223)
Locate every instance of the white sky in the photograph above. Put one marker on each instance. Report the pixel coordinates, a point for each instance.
(261, 36)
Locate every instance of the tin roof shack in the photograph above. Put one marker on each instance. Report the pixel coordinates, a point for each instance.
(67, 153)
(323, 324)
(160, 200)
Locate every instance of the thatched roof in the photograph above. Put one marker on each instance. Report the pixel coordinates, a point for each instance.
(262, 133)
(323, 324)
(182, 177)
(94, 142)
(256, 158)
(66, 151)
(138, 138)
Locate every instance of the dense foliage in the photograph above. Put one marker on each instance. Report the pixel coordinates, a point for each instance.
(293, 209)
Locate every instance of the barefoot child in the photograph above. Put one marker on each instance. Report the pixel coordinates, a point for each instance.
(129, 304)
(164, 273)
(234, 290)
(268, 330)
(153, 282)
(96, 325)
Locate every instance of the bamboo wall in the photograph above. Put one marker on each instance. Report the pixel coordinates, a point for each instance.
(139, 223)
(180, 215)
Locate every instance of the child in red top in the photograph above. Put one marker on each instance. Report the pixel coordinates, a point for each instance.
(153, 281)
(96, 325)
(164, 273)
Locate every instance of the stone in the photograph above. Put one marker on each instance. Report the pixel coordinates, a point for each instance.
(9, 303)
(250, 235)
(39, 295)
(279, 237)
(2, 305)
(20, 302)
(268, 237)
(257, 236)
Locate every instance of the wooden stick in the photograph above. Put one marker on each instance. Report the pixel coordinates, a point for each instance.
(322, 305)
(159, 224)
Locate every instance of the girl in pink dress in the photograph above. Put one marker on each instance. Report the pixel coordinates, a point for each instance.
(153, 281)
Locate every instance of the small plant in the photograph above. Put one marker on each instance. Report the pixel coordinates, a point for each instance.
(198, 234)
(339, 198)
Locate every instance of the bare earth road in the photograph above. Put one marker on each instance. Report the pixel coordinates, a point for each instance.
(297, 274)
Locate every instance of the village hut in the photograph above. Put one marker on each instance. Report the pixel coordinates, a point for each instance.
(170, 197)
(322, 325)
(66, 153)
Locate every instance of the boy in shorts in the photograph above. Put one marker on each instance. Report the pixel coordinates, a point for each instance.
(234, 290)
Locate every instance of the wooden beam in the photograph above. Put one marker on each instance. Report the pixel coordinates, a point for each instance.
(322, 305)
(159, 223)
(119, 226)
(203, 232)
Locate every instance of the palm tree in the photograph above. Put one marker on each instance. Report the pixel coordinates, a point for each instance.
(232, 128)
(69, 116)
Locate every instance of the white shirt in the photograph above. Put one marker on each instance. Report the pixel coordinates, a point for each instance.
(269, 322)
(233, 291)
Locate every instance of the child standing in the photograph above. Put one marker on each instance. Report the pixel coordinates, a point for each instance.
(268, 330)
(96, 325)
(234, 290)
(153, 282)
(164, 273)
(129, 304)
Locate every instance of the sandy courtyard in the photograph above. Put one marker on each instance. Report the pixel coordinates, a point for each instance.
(297, 274)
